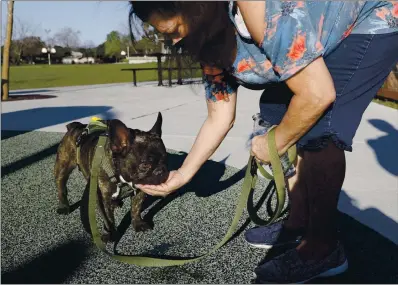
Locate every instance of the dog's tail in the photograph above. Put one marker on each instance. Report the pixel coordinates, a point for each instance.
(75, 125)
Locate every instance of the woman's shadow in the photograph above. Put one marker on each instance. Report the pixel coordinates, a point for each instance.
(371, 256)
(385, 147)
(207, 182)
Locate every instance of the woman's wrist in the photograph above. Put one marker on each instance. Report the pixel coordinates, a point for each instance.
(283, 143)
(186, 174)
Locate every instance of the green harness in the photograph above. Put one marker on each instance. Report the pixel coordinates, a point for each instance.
(249, 184)
(98, 126)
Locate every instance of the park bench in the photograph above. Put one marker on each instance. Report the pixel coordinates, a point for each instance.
(160, 69)
(160, 74)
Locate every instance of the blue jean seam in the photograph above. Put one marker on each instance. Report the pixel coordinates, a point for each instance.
(356, 68)
(345, 86)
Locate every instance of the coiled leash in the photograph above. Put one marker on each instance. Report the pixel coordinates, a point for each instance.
(247, 189)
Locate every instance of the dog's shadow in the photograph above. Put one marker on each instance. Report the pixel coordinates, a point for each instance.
(205, 184)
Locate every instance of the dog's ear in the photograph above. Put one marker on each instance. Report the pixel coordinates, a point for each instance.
(119, 137)
(74, 125)
(157, 127)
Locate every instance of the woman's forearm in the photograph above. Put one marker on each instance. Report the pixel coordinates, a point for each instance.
(303, 112)
(209, 138)
(314, 93)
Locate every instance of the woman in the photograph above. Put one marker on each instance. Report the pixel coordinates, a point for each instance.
(320, 63)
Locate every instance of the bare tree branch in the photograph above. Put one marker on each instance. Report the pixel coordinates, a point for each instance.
(23, 35)
(67, 37)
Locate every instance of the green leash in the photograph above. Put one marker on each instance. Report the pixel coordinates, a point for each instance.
(248, 187)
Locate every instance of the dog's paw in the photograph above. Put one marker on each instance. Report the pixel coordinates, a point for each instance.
(142, 226)
(109, 236)
(63, 209)
(106, 237)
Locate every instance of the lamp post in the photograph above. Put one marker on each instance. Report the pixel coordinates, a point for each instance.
(48, 51)
(123, 53)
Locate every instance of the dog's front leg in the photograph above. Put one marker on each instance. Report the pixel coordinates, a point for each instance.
(107, 209)
(138, 223)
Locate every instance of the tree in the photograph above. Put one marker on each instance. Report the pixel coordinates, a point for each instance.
(60, 52)
(150, 44)
(126, 43)
(67, 37)
(113, 44)
(3, 34)
(22, 34)
(31, 47)
(88, 49)
(100, 51)
(5, 74)
(126, 37)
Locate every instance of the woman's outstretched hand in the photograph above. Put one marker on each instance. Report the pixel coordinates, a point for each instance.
(175, 181)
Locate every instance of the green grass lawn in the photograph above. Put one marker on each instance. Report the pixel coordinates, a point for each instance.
(44, 76)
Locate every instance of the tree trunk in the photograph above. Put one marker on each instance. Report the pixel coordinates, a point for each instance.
(5, 74)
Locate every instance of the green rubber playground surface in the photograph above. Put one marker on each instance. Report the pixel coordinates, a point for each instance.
(40, 246)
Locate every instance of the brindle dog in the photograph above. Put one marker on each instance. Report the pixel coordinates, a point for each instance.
(137, 157)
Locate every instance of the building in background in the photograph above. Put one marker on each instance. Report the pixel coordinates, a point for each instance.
(77, 58)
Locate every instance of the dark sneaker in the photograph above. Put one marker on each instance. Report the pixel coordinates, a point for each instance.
(272, 236)
(289, 268)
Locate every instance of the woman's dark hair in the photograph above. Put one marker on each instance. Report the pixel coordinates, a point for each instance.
(211, 39)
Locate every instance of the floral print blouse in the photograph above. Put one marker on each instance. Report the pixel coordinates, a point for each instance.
(297, 32)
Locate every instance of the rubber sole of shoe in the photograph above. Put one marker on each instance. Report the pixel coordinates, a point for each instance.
(269, 246)
(328, 273)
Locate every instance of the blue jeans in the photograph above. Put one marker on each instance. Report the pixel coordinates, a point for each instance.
(359, 66)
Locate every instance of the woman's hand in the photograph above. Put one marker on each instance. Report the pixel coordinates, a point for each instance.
(260, 148)
(175, 181)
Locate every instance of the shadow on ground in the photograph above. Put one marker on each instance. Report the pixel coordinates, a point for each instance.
(26, 161)
(52, 267)
(33, 119)
(9, 134)
(208, 180)
(23, 92)
(372, 257)
(385, 146)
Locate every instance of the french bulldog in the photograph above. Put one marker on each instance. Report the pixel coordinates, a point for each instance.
(137, 157)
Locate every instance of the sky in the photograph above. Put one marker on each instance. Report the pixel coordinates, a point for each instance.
(94, 19)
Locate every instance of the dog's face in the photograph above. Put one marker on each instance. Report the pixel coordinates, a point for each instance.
(142, 156)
